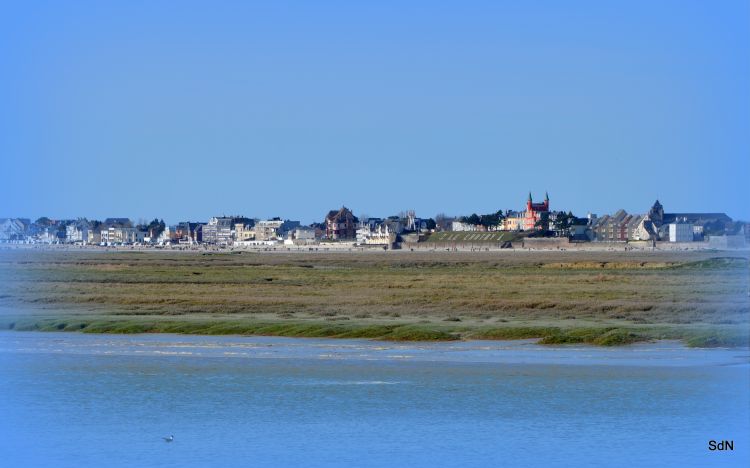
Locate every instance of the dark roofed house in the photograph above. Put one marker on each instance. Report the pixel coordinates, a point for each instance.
(341, 224)
(188, 232)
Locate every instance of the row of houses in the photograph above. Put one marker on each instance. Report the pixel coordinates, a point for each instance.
(656, 225)
(536, 219)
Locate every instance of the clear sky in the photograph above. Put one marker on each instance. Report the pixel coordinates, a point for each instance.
(184, 110)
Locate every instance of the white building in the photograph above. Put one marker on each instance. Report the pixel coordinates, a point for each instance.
(77, 233)
(119, 235)
(166, 236)
(382, 234)
(680, 232)
(268, 229)
(460, 226)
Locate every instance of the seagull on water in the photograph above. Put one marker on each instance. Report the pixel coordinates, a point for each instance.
(168, 439)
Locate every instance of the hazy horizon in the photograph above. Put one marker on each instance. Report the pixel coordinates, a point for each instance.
(187, 111)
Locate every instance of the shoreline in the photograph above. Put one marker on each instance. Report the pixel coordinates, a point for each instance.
(426, 248)
(521, 351)
(598, 336)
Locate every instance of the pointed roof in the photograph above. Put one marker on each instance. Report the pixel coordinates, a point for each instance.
(530, 196)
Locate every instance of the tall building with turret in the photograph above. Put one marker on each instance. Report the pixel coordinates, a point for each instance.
(535, 211)
(526, 220)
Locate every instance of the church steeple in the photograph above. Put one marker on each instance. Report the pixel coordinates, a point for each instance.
(530, 197)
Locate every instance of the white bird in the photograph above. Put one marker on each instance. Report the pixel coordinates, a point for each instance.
(168, 439)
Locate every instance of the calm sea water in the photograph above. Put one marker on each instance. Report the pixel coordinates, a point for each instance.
(76, 400)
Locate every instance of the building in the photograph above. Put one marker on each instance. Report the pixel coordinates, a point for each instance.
(341, 224)
(118, 235)
(462, 226)
(703, 223)
(528, 219)
(267, 230)
(535, 212)
(77, 232)
(187, 232)
(167, 236)
(513, 221)
(301, 235)
(218, 231)
(244, 231)
(611, 228)
(680, 232)
(644, 230)
(382, 234)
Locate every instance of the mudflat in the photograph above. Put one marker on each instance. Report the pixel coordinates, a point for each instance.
(604, 298)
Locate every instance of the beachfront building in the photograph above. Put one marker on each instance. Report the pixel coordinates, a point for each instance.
(535, 212)
(513, 221)
(645, 229)
(166, 236)
(701, 223)
(77, 232)
(622, 226)
(462, 226)
(680, 232)
(218, 231)
(118, 235)
(528, 219)
(268, 230)
(341, 224)
(301, 235)
(382, 234)
(244, 231)
(188, 232)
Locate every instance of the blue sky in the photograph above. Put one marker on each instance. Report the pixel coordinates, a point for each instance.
(186, 110)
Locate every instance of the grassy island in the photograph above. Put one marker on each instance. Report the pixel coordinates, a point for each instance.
(603, 298)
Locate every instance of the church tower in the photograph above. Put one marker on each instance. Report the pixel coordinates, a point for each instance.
(656, 214)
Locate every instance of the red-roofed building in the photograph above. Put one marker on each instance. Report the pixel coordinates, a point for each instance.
(534, 212)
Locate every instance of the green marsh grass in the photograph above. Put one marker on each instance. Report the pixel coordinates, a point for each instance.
(601, 298)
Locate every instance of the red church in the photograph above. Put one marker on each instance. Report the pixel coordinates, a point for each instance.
(534, 212)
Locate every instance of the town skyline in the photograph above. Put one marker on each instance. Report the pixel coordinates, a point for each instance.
(369, 213)
(499, 228)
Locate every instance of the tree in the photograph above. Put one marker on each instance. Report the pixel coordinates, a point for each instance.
(491, 219)
(473, 219)
(155, 228)
(542, 224)
(442, 222)
(563, 222)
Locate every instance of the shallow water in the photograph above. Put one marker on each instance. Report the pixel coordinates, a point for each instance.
(106, 400)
